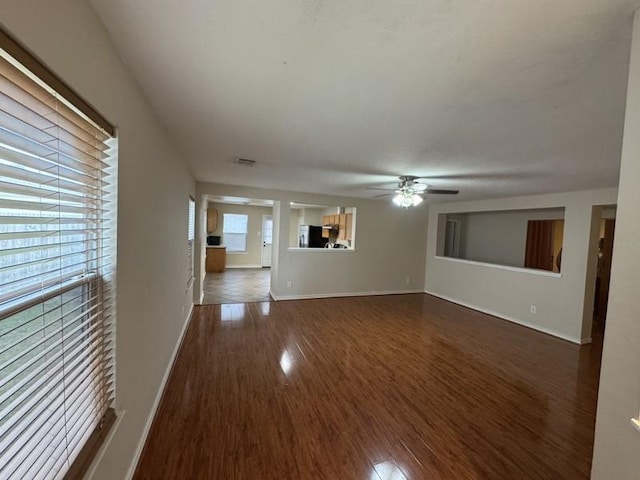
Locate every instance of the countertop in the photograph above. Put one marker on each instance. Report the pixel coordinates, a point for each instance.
(216, 246)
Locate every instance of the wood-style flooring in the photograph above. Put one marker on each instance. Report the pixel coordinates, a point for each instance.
(372, 388)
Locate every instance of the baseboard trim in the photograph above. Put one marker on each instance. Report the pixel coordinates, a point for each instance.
(158, 399)
(508, 318)
(278, 298)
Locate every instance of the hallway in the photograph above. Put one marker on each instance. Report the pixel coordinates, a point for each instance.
(237, 285)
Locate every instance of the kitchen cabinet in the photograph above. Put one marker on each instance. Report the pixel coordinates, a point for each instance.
(212, 220)
(216, 259)
(342, 226)
(344, 221)
(349, 228)
(326, 220)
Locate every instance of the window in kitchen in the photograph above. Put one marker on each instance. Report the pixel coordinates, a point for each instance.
(57, 214)
(191, 235)
(234, 231)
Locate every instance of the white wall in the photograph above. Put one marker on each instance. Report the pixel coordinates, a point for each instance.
(253, 256)
(312, 216)
(616, 443)
(153, 189)
(389, 248)
(499, 237)
(561, 300)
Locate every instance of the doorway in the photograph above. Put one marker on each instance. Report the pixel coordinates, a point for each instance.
(603, 273)
(244, 229)
(267, 240)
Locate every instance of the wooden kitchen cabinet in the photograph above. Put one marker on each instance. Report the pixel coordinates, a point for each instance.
(212, 220)
(215, 260)
(349, 227)
(342, 226)
(344, 222)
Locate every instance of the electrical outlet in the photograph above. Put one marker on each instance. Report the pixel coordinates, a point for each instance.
(533, 309)
(289, 284)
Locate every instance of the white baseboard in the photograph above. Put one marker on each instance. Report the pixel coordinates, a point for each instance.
(510, 319)
(156, 402)
(334, 295)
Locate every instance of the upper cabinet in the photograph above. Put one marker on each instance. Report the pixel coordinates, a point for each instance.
(212, 220)
(344, 222)
(349, 226)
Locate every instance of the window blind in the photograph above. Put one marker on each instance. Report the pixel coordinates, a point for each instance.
(235, 231)
(56, 287)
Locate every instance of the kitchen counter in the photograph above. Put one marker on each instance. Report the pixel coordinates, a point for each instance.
(216, 246)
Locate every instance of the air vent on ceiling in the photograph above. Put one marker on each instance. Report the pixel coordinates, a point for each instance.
(245, 162)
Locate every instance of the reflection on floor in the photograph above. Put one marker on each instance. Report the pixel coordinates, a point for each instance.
(237, 285)
(400, 386)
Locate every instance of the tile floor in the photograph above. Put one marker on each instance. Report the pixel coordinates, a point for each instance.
(236, 285)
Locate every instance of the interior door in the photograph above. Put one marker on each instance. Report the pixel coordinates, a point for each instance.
(604, 269)
(539, 250)
(267, 240)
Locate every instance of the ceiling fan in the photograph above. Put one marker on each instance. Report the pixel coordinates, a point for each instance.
(409, 192)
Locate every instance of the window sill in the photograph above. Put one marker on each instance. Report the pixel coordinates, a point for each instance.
(530, 271)
(320, 250)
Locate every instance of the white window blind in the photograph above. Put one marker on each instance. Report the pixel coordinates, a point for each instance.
(56, 314)
(234, 231)
(191, 235)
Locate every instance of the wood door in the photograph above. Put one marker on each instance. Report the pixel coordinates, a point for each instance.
(539, 250)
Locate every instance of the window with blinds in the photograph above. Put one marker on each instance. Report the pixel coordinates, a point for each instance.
(56, 286)
(234, 230)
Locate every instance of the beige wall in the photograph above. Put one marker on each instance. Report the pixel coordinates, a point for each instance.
(561, 300)
(499, 237)
(616, 443)
(153, 299)
(253, 256)
(389, 248)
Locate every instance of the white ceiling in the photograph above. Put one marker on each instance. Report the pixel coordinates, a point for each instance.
(491, 97)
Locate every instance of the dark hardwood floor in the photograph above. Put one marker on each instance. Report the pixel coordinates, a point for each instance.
(372, 388)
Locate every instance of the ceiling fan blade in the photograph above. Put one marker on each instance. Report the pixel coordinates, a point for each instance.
(383, 195)
(436, 191)
(385, 189)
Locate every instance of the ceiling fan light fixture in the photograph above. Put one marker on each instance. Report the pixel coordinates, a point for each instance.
(407, 197)
(407, 200)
